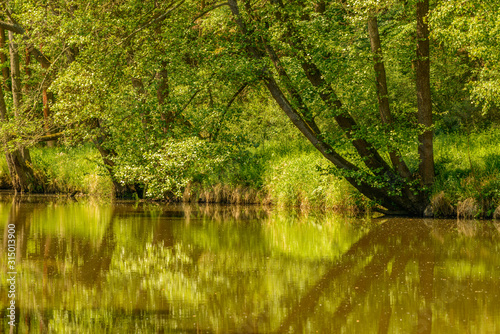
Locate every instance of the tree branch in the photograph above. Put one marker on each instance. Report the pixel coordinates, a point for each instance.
(346, 122)
(12, 27)
(209, 10)
(391, 202)
(233, 98)
(18, 29)
(50, 137)
(39, 56)
(152, 21)
(308, 117)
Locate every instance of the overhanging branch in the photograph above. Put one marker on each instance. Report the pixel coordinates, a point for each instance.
(233, 98)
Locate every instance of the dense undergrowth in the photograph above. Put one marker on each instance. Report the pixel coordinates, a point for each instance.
(288, 173)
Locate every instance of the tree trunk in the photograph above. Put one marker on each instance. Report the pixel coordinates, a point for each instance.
(45, 101)
(425, 148)
(14, 57)
(15, 75)
(16, 88)
(21, 174)
(382, 91)
(394, 203)
(3, 59)
(107, 155)
(345, 121)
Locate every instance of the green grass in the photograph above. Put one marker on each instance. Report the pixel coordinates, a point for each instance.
(290, 173)
(4, 173)
(294, 174)
(468, 166)
(298, 179)
(65, 170)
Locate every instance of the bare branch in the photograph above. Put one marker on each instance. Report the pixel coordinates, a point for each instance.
(191, 99)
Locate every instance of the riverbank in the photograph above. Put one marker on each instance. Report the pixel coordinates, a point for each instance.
(291, 174)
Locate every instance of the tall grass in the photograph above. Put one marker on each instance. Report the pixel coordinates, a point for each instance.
(298, 179)
(294, 175)
(4, 173)
(468, 171)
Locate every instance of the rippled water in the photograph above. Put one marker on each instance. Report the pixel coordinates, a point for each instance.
(85, 267)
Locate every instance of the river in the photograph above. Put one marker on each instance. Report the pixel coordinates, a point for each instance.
(82, 266)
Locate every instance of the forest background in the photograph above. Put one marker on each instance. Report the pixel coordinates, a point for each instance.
(350, 105)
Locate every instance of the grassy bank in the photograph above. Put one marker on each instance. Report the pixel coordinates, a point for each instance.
(467, 174)
(292, 173)
(66, 170)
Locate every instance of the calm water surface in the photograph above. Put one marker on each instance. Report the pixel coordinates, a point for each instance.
(85, 267)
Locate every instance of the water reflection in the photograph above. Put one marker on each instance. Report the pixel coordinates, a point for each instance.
(128, 268)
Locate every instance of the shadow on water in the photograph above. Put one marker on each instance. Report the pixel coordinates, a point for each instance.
(128, 267)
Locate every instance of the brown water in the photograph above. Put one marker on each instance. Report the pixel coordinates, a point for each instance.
(84, 267)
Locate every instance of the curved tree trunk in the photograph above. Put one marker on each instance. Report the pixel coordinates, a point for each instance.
(404, 202)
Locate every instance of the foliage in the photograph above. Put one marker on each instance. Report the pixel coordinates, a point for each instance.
(190, 95)
(470, 29)
(70, 170)
(167, 172)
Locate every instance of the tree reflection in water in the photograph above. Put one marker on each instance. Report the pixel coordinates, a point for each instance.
(126, 268)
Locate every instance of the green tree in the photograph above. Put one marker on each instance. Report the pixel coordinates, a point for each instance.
(17, 155)
(284, 35)
(469, 31)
